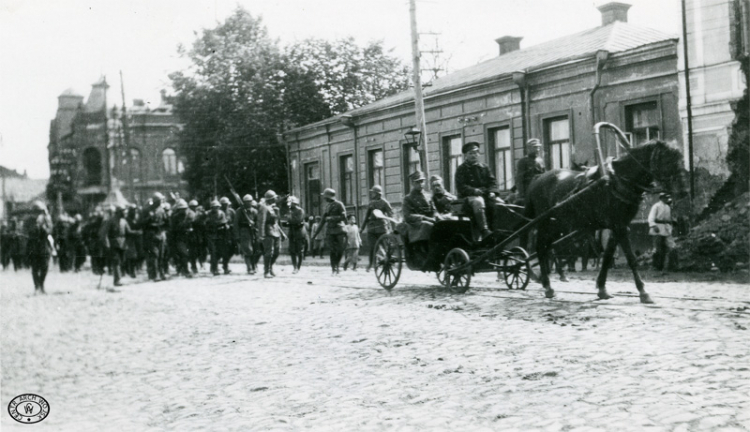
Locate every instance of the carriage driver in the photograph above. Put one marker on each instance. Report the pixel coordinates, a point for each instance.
(475, 182)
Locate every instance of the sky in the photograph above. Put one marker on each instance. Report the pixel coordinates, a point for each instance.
(48, 46)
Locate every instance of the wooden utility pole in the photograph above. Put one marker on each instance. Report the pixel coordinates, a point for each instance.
(688, 100)
(107, 157)
(418, 98)
(126, 137)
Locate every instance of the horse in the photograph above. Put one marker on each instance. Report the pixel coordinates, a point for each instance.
(610, 204)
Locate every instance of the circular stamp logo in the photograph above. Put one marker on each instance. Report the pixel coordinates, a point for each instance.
(28, 408)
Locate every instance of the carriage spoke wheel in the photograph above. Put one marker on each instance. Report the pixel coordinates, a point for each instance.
(457, 280)
(388, 261)
(516, 268)
(442, 277)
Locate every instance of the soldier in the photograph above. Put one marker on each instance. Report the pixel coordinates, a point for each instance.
(419, 215)
(115, 236)
(441, 198)
(297, 233)
(216, 232)
(244, 231)
(6, 242)
(229, 248)
(180, 231)
(79, 246)
(376, 227)
(167, 256)
(334, 220)
(154, 222)
(269, 232)
(475, 182)
(529, 168)
(38, 229)
(197, 239)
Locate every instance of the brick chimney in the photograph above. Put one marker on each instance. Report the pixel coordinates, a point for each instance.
(508, 44)
(614, 11)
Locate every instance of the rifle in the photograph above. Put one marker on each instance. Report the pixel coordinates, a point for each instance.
(237, 198)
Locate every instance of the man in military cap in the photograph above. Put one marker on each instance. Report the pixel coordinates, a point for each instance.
(181, 230)
(244, 230)
(269, 232)
(334, 221)
(475, 183)
(216, 232)
(419, 212)
(297, 233)
(376, 227)
(528, 168)
(229, 248)
(38, 229)
(441, 198)
(115, 241)
(154, 223)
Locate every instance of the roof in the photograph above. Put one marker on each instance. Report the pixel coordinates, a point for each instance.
(71, 92)
(615, 37)
(23, 189)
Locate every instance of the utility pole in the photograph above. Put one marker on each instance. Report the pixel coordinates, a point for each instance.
(688, 101)
(418, 97)
(126, 136)
(107, 156)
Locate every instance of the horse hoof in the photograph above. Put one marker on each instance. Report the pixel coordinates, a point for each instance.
(563, 279)
(646, 299)
(549, 293)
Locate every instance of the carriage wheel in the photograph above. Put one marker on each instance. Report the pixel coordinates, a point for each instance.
(442, 277)
(516, 268)
(388, 261)
(457, 281)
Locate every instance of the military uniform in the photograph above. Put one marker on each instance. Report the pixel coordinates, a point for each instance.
(527, 169)
(245, 221)
(216, 232)
(376, 227)
(115, 241)
(154, 222)
(38, 249)
(334, 220)
(419, 213)
(269, 232)
(297, 234)
(180, 230)
(474, 182)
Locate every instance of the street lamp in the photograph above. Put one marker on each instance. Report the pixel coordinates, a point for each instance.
(412, 137)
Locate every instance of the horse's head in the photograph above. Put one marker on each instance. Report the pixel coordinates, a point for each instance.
(654, 161)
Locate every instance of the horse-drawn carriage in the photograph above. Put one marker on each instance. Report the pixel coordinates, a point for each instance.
(561, 205)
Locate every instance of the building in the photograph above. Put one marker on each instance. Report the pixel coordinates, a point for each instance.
(18, 193)
(556, 91)
(94, 150)
(717, 38)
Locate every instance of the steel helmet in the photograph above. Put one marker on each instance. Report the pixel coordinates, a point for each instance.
(248, 197)
(193, 203)
(180, 204)
(224, 200)
(269, 195)
(215, 203)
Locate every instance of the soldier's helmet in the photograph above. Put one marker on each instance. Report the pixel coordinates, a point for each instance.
(38, 205)
(224, 200)
(215, 204)
(293, 200)
(158, 196)
(247, 197)
(193, 203)
(269, 195)
(180, 204)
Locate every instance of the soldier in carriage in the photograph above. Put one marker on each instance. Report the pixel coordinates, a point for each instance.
(441, 198)
(476, 184)
(419, 215)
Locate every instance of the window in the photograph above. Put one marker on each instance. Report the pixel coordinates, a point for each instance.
(92, 164)
(347, 179)
(169, 158)
(312, 188)
(557, 137)
(454, 158)
(642, 121)
(135, 164)
(502, 157)
(377, 171)
(411, 164)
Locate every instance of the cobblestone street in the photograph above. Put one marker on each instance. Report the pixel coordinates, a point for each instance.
(308, 351)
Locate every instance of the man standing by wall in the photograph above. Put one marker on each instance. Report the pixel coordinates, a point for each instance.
(660, 228)
(528, 168)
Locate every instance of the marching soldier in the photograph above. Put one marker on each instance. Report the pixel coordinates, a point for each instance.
(229, 247)
(216, 232)
(181, 231)
(154, 223)
(117, 230)
(269, 232)
(38, 228)
(297, 233)
(197, 239)
(334, 220)
(244, 231)
(376, 227)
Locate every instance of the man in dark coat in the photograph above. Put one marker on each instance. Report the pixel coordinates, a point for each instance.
(216, 232)
(245, 221)
(528, 168)
(197, 237)
(297, 233)
(475, 182)
(229, 247)
(180, 230)
(154, 223)
(334, 221)
(115, 241)
(441, 198)
(38, 229)
(269, 232)
(419, 212)
(376, 227)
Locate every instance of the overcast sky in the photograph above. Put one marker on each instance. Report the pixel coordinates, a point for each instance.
(47, 46)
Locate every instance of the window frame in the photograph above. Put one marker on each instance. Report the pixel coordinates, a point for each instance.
(626, 106)
(490, 128)
(342, 157)
(406, 163)
(448, 180)
(173, 162)
(371, 169)
(544, 122)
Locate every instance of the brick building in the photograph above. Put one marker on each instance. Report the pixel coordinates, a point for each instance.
(94, 149)
(556, 91)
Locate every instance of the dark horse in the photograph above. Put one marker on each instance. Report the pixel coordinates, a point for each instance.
(610, 204)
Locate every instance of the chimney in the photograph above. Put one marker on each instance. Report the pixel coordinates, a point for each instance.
(508, 44)
(614, 11)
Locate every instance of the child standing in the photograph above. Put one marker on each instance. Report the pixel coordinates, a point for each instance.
(353, 243)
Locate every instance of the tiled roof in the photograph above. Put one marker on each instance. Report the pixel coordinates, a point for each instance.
(615, 37)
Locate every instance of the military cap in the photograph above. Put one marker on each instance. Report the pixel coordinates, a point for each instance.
(180, 204)
(248, 197)
(416, 175)
(158, 196)
(193, 203)
(468, 146)
(269, 195)
(436, 178)
(377, 189)
(224, 200)
(330, 193)
(215, 203)
(534, 142)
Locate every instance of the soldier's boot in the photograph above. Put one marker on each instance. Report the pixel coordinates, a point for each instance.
(249, 264)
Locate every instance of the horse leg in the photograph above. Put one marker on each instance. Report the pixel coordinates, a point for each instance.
(542, 250)
(560, 267)
(601, 280)
(624, 240)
